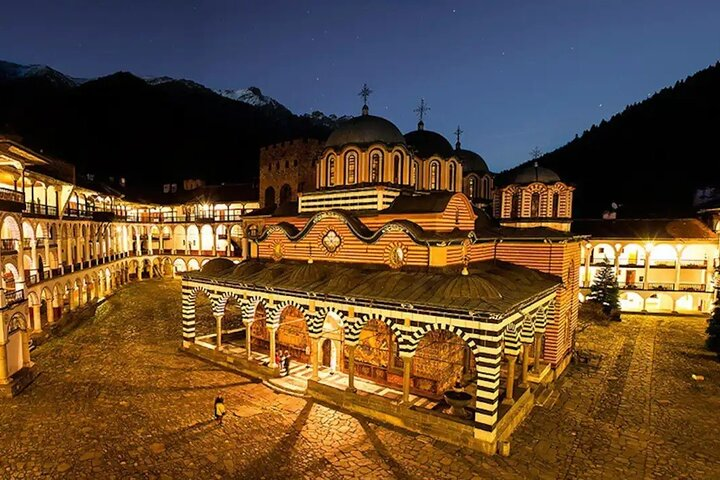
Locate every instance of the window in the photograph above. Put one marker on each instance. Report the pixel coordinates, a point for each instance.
(295, 163)
(376, 167)
(331, 171)
(556, 205)
(473, 187)
(413, 174)
(515, 206)
(434, 176)
(351, 167)
(173, 187)
(166, 188)
(398, 170)
(451, 176)
(535, 205)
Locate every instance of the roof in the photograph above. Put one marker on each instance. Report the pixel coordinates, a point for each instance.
(426, 143)
(365, 130)
(645, 229)
(491, 287)
(534, 173)
(434, 202)
(471, 161)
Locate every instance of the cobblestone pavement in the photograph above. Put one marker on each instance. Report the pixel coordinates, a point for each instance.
(117, 400)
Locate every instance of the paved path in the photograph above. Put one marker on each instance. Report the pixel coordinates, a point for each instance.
(117, 400)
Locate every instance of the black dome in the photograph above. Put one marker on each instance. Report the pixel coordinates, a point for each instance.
(471, 161)
(426, 143)
(364, 130)
(535, 173)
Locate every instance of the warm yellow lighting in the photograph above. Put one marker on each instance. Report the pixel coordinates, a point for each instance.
(649, 246)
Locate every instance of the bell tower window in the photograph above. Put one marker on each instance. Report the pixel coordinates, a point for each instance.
(556, 205)
(331, 171)
(434, 176)
(398, 169)
(451, 177)
(515, 205)
(376, 167)
(351, 167)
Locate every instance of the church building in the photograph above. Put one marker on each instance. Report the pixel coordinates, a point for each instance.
(394, 294)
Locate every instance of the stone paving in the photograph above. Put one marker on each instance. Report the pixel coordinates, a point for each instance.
(116, 399)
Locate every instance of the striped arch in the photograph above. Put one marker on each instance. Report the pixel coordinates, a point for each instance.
(353, 329)
(527, 331)
(315, 325)
(188, 311)
(249, 308)
(408, 350)
(223, 299)
(290, 303)
(511, 339)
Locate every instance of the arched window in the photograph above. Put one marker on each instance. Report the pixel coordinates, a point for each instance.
(472, 187)
(515, 206)
(376, 167)
(451, 176)
(485, 191)
(556, 205)
(414, 174)
(398, 169)
(331, 171)
(535, 205)
(434, 176)
(351, 167)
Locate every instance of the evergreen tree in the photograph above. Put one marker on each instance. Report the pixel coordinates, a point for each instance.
(713, 330)
(605, 290)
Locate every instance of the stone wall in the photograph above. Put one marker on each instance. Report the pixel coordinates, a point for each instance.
(290, 164)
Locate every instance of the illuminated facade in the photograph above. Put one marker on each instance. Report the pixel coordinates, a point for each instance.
(387, 279)
(64, 245)
(662, 265)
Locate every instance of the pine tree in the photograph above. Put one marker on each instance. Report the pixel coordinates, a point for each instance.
(605, 290)
(713, 330)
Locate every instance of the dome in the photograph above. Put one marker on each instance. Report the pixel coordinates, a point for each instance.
(471, 161)
(217, 265)
(426, 143)
(535, 173)
(364, 130)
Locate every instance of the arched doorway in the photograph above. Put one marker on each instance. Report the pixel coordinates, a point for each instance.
(269, 196)
(285, 193)
(328, 355)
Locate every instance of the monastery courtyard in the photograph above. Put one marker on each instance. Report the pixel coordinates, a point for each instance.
(116, 399)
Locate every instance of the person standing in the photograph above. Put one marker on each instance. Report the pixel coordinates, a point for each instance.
(219, 408)
(286, 358)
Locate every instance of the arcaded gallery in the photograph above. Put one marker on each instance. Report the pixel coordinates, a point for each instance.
(394, 293)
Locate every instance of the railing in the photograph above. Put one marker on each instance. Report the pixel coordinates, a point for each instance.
(630, 286)
(596, 262)
(32, 278)
(661, 286)
(662, 264)
(39, 209)
(76, 213)
(690, 263)
(8, 245)
(172, 217)
(692, 287)
(14, 296)
(12, 196)
(629, 264)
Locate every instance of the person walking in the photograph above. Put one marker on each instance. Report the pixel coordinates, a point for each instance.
(219, 409)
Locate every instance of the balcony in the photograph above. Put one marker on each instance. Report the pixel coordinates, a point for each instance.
(630, 286)
(661, 286)
(11, 201)
(8, 246)
(103, 216)
(38, 210)
(15, 296)
(627, 263)
(77, 213)
(694, 263)
(693, 287)
(663, 264)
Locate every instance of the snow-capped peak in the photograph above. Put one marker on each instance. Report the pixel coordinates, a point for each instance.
(251, 96)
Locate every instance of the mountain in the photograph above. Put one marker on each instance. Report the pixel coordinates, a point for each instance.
(151, 130)
(649, 159)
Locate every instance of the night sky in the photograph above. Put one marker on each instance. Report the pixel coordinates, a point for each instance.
(515, 75)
